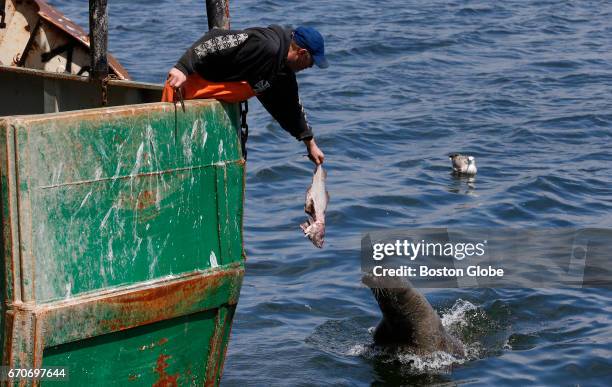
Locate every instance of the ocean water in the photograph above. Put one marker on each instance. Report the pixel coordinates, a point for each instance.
(524, 86)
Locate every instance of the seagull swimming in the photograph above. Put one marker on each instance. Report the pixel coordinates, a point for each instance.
(463, 164)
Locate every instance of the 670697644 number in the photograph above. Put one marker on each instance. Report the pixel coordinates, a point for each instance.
(47, 373)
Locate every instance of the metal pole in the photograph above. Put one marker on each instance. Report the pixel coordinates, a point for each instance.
(98, 38)
(218, 14)
(2, 13)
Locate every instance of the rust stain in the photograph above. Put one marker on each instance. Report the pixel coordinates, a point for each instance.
(160, 303)
(212, 364)
(171, 294)
(132, 377)
(165, 380)
(229, 323)
(146, 199)
(213, 368)
(162, 341)
(129, 308)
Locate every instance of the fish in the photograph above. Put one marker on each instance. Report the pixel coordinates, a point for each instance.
(463, 164)
(315, 206)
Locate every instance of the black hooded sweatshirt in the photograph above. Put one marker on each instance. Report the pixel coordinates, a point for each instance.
(258, 56)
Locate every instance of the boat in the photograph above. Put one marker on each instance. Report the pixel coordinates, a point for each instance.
(37, 36)
(123, 255)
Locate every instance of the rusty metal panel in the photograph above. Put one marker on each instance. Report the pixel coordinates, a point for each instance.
(75, 333)
(114, 196)
(168, 353)
(235, 177)
(10, 232)
(122, 309)
(222, 212)
(122, 219)
(219, 343)
(216, 341)
(229, 209)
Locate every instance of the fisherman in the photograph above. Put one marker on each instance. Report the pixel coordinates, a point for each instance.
(234, 65)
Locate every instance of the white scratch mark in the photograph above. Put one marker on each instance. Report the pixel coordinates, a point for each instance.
(194, 128)
(68, 290)
(220, 148)
(149, 133)
(138, 162)
(204, 135)
(58, 173)
(187, 152)
(117, 171)
(84, 200)
(151, 253)
(119, 163)
(111, 257)
(165, 243)
(157, 195)
(102, 271)
(213, 260)
(105, 219)
(98, 174)
(137, 249)
(101, 148)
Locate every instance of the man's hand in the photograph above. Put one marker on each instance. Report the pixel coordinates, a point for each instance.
(314, 153)
(176, 78)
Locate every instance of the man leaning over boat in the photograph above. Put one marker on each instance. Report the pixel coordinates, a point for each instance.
(235, 65)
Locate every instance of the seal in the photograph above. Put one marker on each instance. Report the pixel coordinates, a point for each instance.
(408, 320)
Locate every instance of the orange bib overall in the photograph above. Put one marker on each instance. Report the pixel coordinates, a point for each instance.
(197, 87)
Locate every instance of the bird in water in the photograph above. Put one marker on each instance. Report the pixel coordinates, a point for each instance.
(463, 164)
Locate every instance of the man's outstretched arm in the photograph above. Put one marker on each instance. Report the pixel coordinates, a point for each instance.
(282, 102)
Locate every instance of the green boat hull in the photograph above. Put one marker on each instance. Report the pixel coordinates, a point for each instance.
(122, 241)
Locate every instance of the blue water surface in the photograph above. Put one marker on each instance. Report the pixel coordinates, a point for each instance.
(524, 86)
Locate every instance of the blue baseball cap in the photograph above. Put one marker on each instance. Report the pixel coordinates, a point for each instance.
(311, 40)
